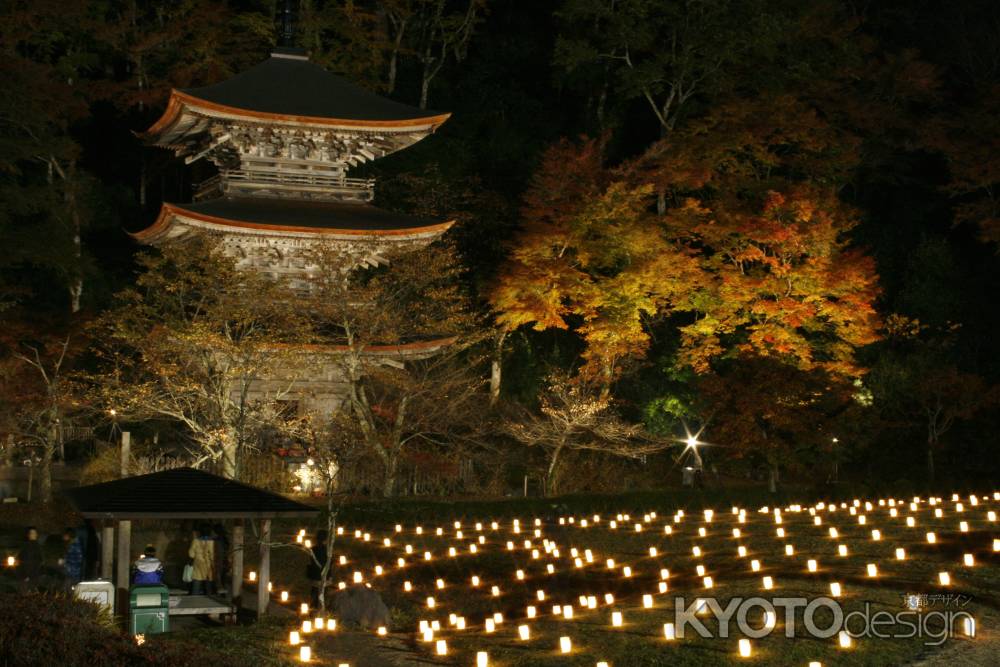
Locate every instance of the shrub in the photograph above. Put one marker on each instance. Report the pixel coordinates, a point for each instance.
(50, 629)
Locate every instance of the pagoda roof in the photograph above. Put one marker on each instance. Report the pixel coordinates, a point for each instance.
(294, 217)
(287, 89)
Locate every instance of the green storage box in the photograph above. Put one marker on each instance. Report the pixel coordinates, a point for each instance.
(149, 610)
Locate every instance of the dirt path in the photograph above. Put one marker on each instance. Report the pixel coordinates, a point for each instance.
(364, 649)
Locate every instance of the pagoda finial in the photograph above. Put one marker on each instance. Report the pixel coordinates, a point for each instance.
(287, 36)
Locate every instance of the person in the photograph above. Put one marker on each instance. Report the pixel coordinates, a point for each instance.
(92, 552)
(314, 570)
(148, 568)
(202, 555)
(72, 561)
(221, 555)
(29, 558)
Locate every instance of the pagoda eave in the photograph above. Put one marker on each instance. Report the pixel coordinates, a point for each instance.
(175, 221)
(184, 112)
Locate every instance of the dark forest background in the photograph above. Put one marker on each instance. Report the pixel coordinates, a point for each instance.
(907, 89)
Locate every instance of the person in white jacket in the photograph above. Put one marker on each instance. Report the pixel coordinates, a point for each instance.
(148, 570)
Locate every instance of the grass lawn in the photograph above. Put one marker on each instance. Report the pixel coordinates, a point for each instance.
(546, 528)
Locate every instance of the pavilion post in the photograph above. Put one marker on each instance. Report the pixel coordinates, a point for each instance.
(264, 576)
(107, 550)
(124, 560)
(236, 586)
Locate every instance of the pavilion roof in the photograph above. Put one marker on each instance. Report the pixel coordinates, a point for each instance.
(297, 217)
(289, 89)
(181, 493)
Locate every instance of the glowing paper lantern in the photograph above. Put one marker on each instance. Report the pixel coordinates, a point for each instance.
(482, 659)
(441, 647)
(944, 578)
(811, 565)
(900, 553)
(931, 538)
(565, 645)
(755, 565)
(647, 601)
(668, 631)
(253, 575)
(293, 638)
(844, 639)
(842, 549)
(523, 632)
(835, 589)
(768, 583)
(284, 596)
(305, 654)
(744, 645)
(616, 619)
(872, 570)
(968, 560)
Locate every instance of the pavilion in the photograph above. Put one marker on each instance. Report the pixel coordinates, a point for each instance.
(184, 493)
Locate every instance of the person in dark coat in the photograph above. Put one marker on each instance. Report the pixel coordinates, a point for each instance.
(314, 570)
(221, 556)
(30, 559)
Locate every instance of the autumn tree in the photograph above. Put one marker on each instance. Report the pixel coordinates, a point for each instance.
(573, 416)
(772, 413)
(401, 337)
(39, 398)
(190, 343)
(590, 258)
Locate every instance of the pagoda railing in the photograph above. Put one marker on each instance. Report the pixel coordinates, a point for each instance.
(313, 184)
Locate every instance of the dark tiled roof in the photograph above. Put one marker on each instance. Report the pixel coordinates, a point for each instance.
(181, 493)
(299, 213)
(294, 86)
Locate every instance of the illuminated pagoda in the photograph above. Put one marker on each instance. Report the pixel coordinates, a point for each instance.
(284, 136)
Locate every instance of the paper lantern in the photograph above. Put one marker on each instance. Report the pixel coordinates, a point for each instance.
(293, 638)
(842, 549)
(523, 632)
(969, 626)
(530, 612)
(284, 596)
(565, 645)
(811, 565)
(944, 578)
(567, 611)
(482, 659)
(305, 654)
(430, 602)
(968, 560)
(744, 646)
(768, 583)
(931, 538)
(490, 625)
(663, 587)
(407, 586)
(876, 535)
(616, 619)
(668, 631)
(441, 648)
(318, 622)
(755, 565)
(253, 575)
(647, 601)
(303, 608)
(700, 570)
(844, 639)
(770, 619)
(900, 553)
(707, 581)
(835, 589)
(307, 627)
(741, 551)
(872, 570)
(789, 550)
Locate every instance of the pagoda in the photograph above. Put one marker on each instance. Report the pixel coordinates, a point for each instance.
(284, 136)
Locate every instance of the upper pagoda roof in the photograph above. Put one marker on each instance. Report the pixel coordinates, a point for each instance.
(287, 89)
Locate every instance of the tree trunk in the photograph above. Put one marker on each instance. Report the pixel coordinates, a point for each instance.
(229, 467)
(496, 369)
(391, 469)
(772, 478)
(550, 479)
(45, 473)
(930, 460)
(425, 84)
(394, 57)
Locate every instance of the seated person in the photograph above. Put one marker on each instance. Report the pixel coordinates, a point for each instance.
(148, 569)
